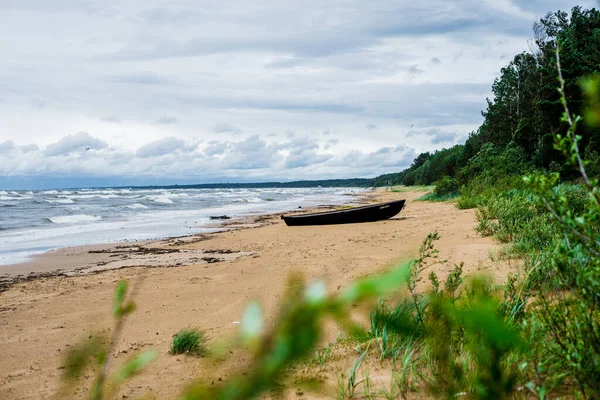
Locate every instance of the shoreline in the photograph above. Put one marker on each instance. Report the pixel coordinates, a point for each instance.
(96, 258)
(54, 220)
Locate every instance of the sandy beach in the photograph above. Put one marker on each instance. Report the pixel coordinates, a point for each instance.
(203, 281)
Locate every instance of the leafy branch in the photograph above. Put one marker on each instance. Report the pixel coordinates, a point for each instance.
(78, 359)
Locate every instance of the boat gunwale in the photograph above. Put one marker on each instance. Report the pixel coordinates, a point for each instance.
(344, 210)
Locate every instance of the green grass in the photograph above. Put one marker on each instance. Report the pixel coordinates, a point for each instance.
(433, 197)
(416, 188)
(189, 341)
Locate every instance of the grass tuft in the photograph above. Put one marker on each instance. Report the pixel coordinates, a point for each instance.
(189, 341)
(434, 197)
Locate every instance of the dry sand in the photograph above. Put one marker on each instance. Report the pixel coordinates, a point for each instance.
(204, 282)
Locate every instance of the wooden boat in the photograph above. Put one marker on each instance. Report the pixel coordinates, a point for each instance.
(370, 213)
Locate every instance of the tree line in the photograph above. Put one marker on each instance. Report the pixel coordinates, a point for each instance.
(520, 122)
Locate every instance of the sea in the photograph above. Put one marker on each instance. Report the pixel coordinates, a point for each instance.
(38, 221)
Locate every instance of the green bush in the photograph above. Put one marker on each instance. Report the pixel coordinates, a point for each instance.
(577, 197)
(478, 191)
(433, 197)
(445, 186)
(454, 340)
(189, 341)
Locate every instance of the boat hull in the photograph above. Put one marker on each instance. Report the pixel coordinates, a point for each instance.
(370, 213)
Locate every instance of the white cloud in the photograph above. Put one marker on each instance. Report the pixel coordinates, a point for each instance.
(80, 142)
(215, 148)
(251, 153)
(168, 145)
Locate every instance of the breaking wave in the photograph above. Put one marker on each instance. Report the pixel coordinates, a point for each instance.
(161, 199)
(61, 201)
(136, 206)
(72, 219)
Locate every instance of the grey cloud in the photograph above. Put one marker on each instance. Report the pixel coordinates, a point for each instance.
(161, 147)
(461, 139)
(302, 152)
(166, 120)
(71, 143)
(331, 143)
(303, 158)
(163, 16)
(287, 63)
(438, 104)
(299, 143)
(386, 157)
(7, 146)
(141, 78)
(391, 156)
(371, 127)
(278, 102)
(363, 26)
(431, 132)
(331, 42)
(551, 5)
(436, 60)
(251, 144)
(112, 119)
(215, 148)
(251, 153)
(226, 128)
(29, 148)
(415, 70)
(436, 135)
(38, 103)
(443, 137)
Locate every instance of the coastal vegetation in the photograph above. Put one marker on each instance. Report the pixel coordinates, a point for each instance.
(531, 172)
(189, 341)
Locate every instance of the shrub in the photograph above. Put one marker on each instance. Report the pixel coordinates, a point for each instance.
(433, 197)
(189, 341)
(446, 185)
(576, 196)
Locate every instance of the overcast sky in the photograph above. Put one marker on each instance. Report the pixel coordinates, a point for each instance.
(181, 91)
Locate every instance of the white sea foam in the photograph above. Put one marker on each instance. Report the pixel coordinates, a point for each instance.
(73, 219)
(98, 196)
(60, 201)
(3, 192)
(7, 198)
(162, 199)
(250, 200)
(136, 206)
